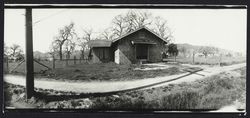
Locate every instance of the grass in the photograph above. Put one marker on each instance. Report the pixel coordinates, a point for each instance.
(225, 61)
(104, 72)
(39, 68)
(109, 72)
(210, 93)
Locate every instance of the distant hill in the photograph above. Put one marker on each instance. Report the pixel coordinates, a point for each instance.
(189, 48)
(40, 55)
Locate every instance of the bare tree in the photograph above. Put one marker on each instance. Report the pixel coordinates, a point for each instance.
(205, 50)
(107, 34)
(66, 33)
(137, 19)
(16, 52)
(87, 34)
(214, 50)
(69, 48)
(83, 45)
(132, 20)
(53, 50)
(119, 25)
(162, 29)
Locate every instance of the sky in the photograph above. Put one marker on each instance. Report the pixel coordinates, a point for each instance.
(223, 28)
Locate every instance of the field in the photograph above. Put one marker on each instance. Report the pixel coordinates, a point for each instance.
(39, 68)
(106, 72)
(225, 61)
(180, 59)
(84, 71)
(227, 88)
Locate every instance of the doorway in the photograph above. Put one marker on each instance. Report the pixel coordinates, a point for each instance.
(141, 51)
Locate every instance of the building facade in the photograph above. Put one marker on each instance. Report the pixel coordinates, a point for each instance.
(141, 45)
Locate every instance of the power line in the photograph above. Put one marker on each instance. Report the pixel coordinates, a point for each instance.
(44, 18)
(49, 16)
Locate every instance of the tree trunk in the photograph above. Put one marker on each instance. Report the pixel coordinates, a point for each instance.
(68, 55)
(60, 52)
(53, 62)
(82, 54)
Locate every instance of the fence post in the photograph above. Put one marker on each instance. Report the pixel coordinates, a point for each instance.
(193, 58)
(53, 61)
(220, 59)
(67, 61)
(74, 60)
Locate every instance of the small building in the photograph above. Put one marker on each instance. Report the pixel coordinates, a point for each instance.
(100, 50)
(136, 46)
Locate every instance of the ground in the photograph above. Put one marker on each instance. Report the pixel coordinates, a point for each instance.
(213, 60)
(108, 72)
(213, 92)
(227, 88)
(84, 71)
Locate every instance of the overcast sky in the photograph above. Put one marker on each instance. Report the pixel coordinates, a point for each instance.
(224, 28)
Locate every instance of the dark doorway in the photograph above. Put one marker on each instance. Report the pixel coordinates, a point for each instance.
(141, 51)
(103, 54)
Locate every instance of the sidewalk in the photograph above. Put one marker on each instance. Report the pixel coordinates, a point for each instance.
(103, 87)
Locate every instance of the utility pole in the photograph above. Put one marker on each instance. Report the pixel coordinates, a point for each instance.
(29, 55)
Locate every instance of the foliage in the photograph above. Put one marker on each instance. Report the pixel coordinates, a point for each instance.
(172, 49)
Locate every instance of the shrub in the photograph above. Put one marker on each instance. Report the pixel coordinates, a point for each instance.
(187, 99)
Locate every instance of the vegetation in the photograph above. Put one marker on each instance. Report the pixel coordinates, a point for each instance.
(173, 50)
(100, 72)
(225, 61)
(120, 25)
(187, 50)
(66, 35)
(212, 92)
(13, 52)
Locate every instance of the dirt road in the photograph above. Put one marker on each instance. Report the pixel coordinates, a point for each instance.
(102, 87)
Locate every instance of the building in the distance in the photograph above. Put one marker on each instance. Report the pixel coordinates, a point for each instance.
(141, 45)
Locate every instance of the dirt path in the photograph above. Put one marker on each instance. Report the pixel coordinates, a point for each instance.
(102, 87)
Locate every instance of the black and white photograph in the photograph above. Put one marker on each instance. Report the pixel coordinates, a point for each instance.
(125, 59)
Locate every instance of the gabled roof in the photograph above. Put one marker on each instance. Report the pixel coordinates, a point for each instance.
(125, 35)
(99, 43)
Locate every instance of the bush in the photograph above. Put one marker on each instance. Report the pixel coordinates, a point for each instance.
(187, 99)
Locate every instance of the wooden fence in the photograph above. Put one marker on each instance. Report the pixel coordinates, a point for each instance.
(13, 66)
